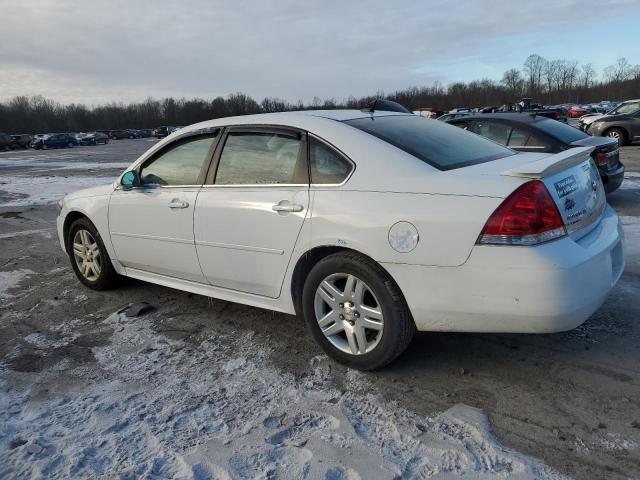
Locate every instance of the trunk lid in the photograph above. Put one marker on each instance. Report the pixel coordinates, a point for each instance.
(606, 153)
(574, 183)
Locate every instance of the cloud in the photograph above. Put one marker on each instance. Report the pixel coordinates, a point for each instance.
(123, 50)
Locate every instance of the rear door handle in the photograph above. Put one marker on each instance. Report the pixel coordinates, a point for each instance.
(290, 207)
(175, 203)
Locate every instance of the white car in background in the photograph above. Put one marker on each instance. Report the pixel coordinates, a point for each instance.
(370, 224)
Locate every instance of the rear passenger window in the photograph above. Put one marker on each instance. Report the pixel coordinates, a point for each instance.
(179, 164)
(327, 165)
(497, 132)
(261, 158)
(518, 138)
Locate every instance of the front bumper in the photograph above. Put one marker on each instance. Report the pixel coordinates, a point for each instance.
(548, 288)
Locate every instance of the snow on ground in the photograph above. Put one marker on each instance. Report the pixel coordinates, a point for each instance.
(12, 279)
(29, 191)
(154, 407)
(55, 164)
(44, 185)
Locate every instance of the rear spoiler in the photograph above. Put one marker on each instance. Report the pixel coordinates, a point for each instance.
(551, 164)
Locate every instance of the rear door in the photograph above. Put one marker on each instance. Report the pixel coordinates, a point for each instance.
(249, 214)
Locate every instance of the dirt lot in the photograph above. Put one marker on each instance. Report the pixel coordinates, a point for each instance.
(200, 388)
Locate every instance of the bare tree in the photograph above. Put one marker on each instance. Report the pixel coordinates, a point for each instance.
(513, 81)
(534, 67)
(588, 75)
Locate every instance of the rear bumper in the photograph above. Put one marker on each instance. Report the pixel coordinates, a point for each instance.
(612, 179)
(548, 288)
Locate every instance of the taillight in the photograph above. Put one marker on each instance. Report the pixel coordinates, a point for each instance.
(557, 115)
(528, 216)
(603, 159)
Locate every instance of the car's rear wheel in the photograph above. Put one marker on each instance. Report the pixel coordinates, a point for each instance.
(617, 133)
(89, 258)
(356, 312)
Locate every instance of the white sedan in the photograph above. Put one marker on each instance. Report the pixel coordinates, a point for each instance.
(371, 225)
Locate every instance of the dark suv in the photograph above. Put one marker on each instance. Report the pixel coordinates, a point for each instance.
(5, 141)
(55, 140)
(162, 132)
(119, 134)
(21, 141)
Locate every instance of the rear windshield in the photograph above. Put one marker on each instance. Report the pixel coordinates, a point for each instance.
(561, 131)
(437, 143)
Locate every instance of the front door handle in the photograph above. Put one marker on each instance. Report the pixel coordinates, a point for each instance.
(175, 203)
(288, 207)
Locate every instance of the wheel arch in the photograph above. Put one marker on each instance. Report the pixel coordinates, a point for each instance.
(627, 134)
(71, 217)
(311, 257)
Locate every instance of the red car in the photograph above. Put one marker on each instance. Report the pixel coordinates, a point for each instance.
(118, 134)
(575, 111)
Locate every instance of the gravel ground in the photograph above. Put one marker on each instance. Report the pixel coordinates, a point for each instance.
(201, 388)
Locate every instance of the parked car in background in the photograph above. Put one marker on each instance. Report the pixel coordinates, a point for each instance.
(575, 111)
(451, 116)
(134, 133)
(146, 132)
(526, 105)
(21, 141)
(118, 134)
(93, 138)
(161, 132)
(624, 108)
(414, 225)
(5, 141)
(625, 127)
(55, 140)
(526, 133)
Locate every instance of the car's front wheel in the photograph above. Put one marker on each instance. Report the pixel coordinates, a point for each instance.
(617, 133)
(89, 258)
(356, 312)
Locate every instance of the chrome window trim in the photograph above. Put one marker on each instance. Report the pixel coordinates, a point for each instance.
(255, 185)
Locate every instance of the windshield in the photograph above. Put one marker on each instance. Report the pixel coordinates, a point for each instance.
(627, 108)
(437, 143)
(561, 131)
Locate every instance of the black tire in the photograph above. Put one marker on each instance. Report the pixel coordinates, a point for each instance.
(398, 328)
(108, 276)
(618, 133)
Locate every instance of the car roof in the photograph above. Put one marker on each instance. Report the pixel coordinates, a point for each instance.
(294, 118)
(513, 117)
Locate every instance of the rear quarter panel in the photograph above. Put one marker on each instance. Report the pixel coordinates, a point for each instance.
(448, 225)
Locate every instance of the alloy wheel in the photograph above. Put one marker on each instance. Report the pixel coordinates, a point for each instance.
(348, 313)
(86, 254)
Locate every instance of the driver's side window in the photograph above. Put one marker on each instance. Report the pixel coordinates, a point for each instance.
(178, 164)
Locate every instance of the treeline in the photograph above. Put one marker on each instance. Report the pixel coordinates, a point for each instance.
(547, 81)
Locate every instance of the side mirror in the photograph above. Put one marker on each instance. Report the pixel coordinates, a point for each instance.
(129, 180)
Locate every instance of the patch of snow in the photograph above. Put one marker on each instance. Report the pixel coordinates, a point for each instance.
(72, 165)
(43, 342)
(41, 231)
(632, 183)
(156, 407)
(9, 280)
(614, 441)
(45, 190)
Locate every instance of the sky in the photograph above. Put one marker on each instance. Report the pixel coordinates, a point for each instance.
(93, 52)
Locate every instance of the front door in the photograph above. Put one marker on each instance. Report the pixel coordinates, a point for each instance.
(151, 225)
(248, 217)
